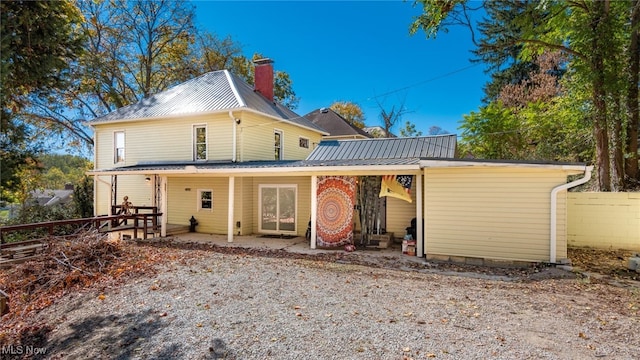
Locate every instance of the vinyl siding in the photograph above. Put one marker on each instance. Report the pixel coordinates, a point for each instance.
(140, 192)
(493, 213)
(164, 140)
(182, 198)
(247, 214)
(256, 139)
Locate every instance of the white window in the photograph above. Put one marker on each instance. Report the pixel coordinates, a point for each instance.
(199, 142)
(278, 208)
(118, 147)
(205, 199)
(278, 144)
(304, 142)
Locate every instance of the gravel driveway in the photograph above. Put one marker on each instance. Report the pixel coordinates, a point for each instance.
(245, 307)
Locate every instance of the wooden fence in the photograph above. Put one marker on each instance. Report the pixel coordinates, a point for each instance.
(146, 222)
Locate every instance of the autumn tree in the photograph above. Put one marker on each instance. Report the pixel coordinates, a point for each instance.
(134, 49)
(350, 111)
(39, 41)
(602, 62)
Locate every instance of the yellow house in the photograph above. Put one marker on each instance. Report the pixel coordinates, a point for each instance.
(223, 152)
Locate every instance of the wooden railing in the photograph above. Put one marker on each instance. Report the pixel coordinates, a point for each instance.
(140, 221)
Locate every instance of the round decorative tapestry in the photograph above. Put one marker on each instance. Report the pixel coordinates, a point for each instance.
(336, 197)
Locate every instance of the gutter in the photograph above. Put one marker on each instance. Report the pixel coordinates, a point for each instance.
(554, 211)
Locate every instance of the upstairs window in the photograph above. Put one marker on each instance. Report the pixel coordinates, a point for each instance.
(278, 144)
(199, 142)
(118, 147)
(304, 142)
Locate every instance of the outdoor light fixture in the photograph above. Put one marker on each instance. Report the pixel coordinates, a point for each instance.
(147, 179)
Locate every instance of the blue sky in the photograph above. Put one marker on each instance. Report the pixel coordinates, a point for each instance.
(357, 51)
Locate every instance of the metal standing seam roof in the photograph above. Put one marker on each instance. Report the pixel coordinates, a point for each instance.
(438, 146)
(258, 164)
(210, 92)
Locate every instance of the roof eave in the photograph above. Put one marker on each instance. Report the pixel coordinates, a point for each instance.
(271, 171)
(285, 120)
(444, 163)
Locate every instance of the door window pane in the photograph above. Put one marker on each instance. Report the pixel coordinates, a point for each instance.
(278, 208)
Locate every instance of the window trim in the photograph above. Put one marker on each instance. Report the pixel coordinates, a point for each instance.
(194, 143)
(300, 138)
(115, 147)
(295, 211)
(281, 152)
(199, 200)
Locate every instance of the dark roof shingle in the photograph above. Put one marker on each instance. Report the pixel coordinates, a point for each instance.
(335, 124)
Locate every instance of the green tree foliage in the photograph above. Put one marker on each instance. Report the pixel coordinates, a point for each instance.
(59, 170)
(39, 41)
(492, 133)
(83, 197)
(409, 130)
(350, 111)
(600, 41)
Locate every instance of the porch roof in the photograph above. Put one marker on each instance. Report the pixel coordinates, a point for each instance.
(298, 167)
(256, 167)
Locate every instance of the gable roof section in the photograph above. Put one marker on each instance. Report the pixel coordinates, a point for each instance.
(378, 131)
(210, 92)
(335, 124)
(437, 147)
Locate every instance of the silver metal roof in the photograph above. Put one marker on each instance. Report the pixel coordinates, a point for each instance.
(259, 164)
(438, 146)
(213, 91)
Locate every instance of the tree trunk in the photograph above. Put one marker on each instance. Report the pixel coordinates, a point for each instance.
(617, 143)
(600, 126)
(631, 165)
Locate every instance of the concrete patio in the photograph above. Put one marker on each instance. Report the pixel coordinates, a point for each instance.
(298, 245)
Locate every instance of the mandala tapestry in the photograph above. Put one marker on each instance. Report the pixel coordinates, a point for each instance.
(336, 198)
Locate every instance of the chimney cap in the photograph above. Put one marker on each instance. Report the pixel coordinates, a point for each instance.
(262, 61)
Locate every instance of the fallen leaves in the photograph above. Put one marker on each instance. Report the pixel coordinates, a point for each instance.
(85, 260)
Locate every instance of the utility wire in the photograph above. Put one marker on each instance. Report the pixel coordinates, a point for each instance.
(423, 82)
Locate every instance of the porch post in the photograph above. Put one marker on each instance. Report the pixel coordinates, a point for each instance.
(419, 217)
(232, 188)
(163, 206)
(314, 209)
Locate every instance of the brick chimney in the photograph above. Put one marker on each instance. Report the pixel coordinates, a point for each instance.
(264, 77)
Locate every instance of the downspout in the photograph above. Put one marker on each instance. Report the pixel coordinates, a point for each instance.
(234, 140)
(554, 210)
